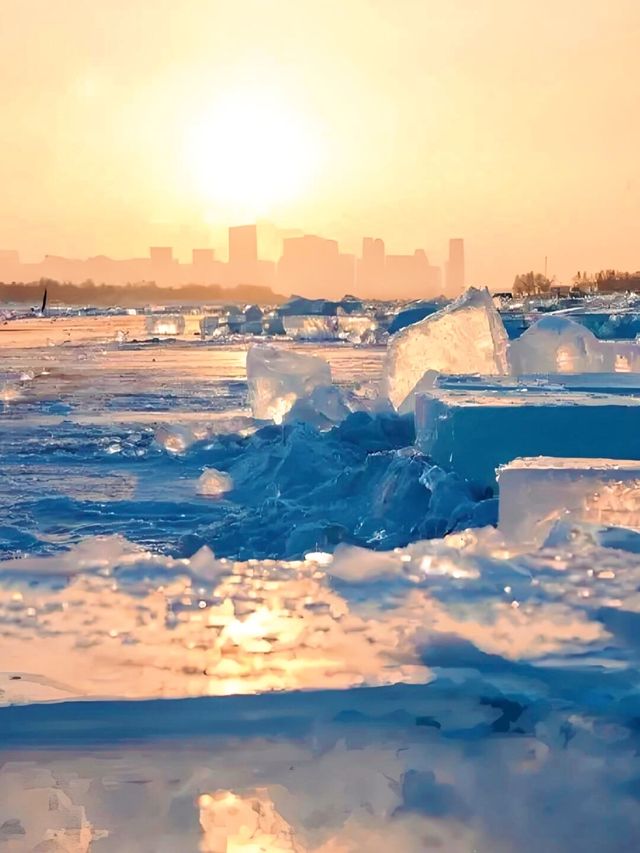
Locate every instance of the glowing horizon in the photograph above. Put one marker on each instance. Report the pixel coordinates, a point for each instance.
(513, 125)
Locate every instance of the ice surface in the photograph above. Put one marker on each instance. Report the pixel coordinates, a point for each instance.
(535, 493)
(465, 337)
(474, 433)
(310, 327)
(604, 382)
(165, 324)
(463, 694)
(277, 378)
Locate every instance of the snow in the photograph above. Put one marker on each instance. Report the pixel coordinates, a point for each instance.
(536, 493)
(465, 337)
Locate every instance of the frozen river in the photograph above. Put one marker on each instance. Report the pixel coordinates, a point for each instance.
(189, 672)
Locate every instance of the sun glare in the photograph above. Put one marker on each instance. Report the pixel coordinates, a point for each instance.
(251, 153)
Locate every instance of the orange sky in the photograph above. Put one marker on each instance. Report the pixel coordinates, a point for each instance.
(513, 123)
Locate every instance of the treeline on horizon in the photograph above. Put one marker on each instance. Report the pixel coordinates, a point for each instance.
(132, 295)
(609, 280)
(605, 281)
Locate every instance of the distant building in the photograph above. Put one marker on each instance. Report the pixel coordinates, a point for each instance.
(202, 257)
(411, 276)
(243, 244)
(161, 255)
(263, 256)
(315, 265)
(370, 269)
(455, 267)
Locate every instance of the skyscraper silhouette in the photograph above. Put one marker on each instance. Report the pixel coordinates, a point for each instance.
(243, 244)
(455, 267)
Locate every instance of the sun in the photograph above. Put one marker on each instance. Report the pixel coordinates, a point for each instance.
(251, 153)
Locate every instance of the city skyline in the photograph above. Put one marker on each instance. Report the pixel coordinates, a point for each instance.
(147, 123)
(286, 261)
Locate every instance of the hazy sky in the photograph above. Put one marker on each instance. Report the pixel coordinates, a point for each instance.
(513, 123)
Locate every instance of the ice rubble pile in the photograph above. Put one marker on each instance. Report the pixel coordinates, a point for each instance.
(355, 328)
(468, 337)
(299, 489)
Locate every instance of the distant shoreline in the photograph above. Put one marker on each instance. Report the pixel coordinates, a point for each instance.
(133, 295)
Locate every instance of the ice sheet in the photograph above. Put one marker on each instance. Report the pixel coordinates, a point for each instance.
(474, 433)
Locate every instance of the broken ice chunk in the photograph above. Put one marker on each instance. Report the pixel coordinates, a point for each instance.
(357, 328)
(209, 325)
(277, 378)
(467, 336)
(556, 345)
(537, 492)
(174, 439)
(473, 433)
(213, 483)
(165, 325)
(325, 406)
